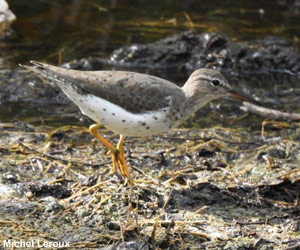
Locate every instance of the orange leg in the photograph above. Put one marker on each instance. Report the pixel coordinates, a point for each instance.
(118, 158)
(121, 158)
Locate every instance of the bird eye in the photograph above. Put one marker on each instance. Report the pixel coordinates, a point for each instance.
(215, 82)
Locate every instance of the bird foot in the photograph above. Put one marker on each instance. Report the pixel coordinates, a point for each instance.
(118, 158)
(119, 163)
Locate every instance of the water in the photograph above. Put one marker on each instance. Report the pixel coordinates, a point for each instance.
(74, 29)
(59, 31)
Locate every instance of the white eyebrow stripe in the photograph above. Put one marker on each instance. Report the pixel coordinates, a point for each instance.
(205, 78)
(210, 79)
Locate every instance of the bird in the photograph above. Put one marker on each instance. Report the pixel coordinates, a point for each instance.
(135, 104)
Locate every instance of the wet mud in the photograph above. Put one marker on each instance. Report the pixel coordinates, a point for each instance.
(206, 188)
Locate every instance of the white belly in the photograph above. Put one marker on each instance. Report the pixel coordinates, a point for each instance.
(116, 118)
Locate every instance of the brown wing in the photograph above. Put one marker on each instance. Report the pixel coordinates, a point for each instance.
(134, 92)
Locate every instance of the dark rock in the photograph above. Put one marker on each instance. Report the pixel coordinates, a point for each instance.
(166, 53)
(90, 181)
(16, 89)
(200, 195)
(84, 234)
(278, 153)
(17, 208)
(52, 206)
(189, 51)
(285, 191)
(9, 178)
(113, 226)
(57, 191)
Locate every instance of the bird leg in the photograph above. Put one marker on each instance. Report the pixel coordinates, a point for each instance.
(118, 158)
(121, 158)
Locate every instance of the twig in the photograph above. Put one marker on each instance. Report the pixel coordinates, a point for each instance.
(180, 222)
(61, 159)
(293, 246)
(80, 192)
(206, 139)
(147, 176)
(167, 233)
(270, 113)
(168, 199)
(189, 20)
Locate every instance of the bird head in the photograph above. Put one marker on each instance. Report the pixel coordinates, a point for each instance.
(209, 84)
(206, 82)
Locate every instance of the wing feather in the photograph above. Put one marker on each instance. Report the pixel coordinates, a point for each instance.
(134, 92)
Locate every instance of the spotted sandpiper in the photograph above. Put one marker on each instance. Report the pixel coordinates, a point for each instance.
(134, 104)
